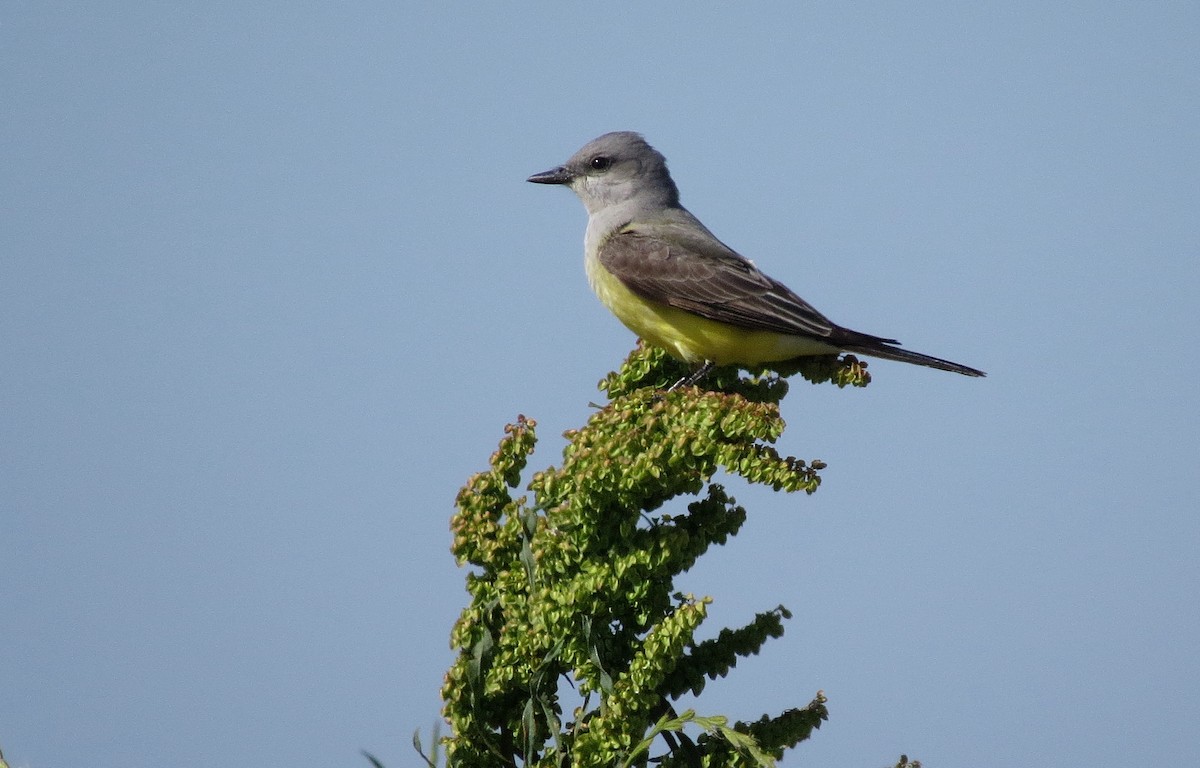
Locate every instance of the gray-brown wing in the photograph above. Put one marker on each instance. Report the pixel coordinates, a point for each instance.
(707, 278)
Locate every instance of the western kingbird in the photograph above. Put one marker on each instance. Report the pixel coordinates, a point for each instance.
(678, 287)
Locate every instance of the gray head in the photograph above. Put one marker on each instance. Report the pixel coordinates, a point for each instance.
(616, 168)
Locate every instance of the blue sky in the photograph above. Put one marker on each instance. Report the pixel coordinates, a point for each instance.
(271, 284)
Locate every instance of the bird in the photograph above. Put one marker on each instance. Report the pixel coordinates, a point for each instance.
(668, 279)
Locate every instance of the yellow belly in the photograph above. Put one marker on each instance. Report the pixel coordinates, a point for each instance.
(692, 338)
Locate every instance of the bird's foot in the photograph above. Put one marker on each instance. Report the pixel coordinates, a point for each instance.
(694, 376)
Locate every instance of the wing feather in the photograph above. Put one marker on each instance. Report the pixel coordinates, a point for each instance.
(681, 264)
(682, 269)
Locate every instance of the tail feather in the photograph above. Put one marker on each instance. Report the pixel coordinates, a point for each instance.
(875, 346)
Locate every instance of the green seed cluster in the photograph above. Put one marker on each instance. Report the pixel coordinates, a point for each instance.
(575, 582)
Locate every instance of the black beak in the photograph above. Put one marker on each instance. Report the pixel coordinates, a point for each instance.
(559, 175)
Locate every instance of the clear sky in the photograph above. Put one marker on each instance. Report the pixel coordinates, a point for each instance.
(272, 282)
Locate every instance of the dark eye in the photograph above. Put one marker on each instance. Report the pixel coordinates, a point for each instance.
(601, 163)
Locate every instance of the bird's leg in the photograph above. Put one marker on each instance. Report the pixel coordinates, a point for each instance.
(694, 376)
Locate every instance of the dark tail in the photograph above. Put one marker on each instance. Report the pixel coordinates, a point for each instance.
(874, 346)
